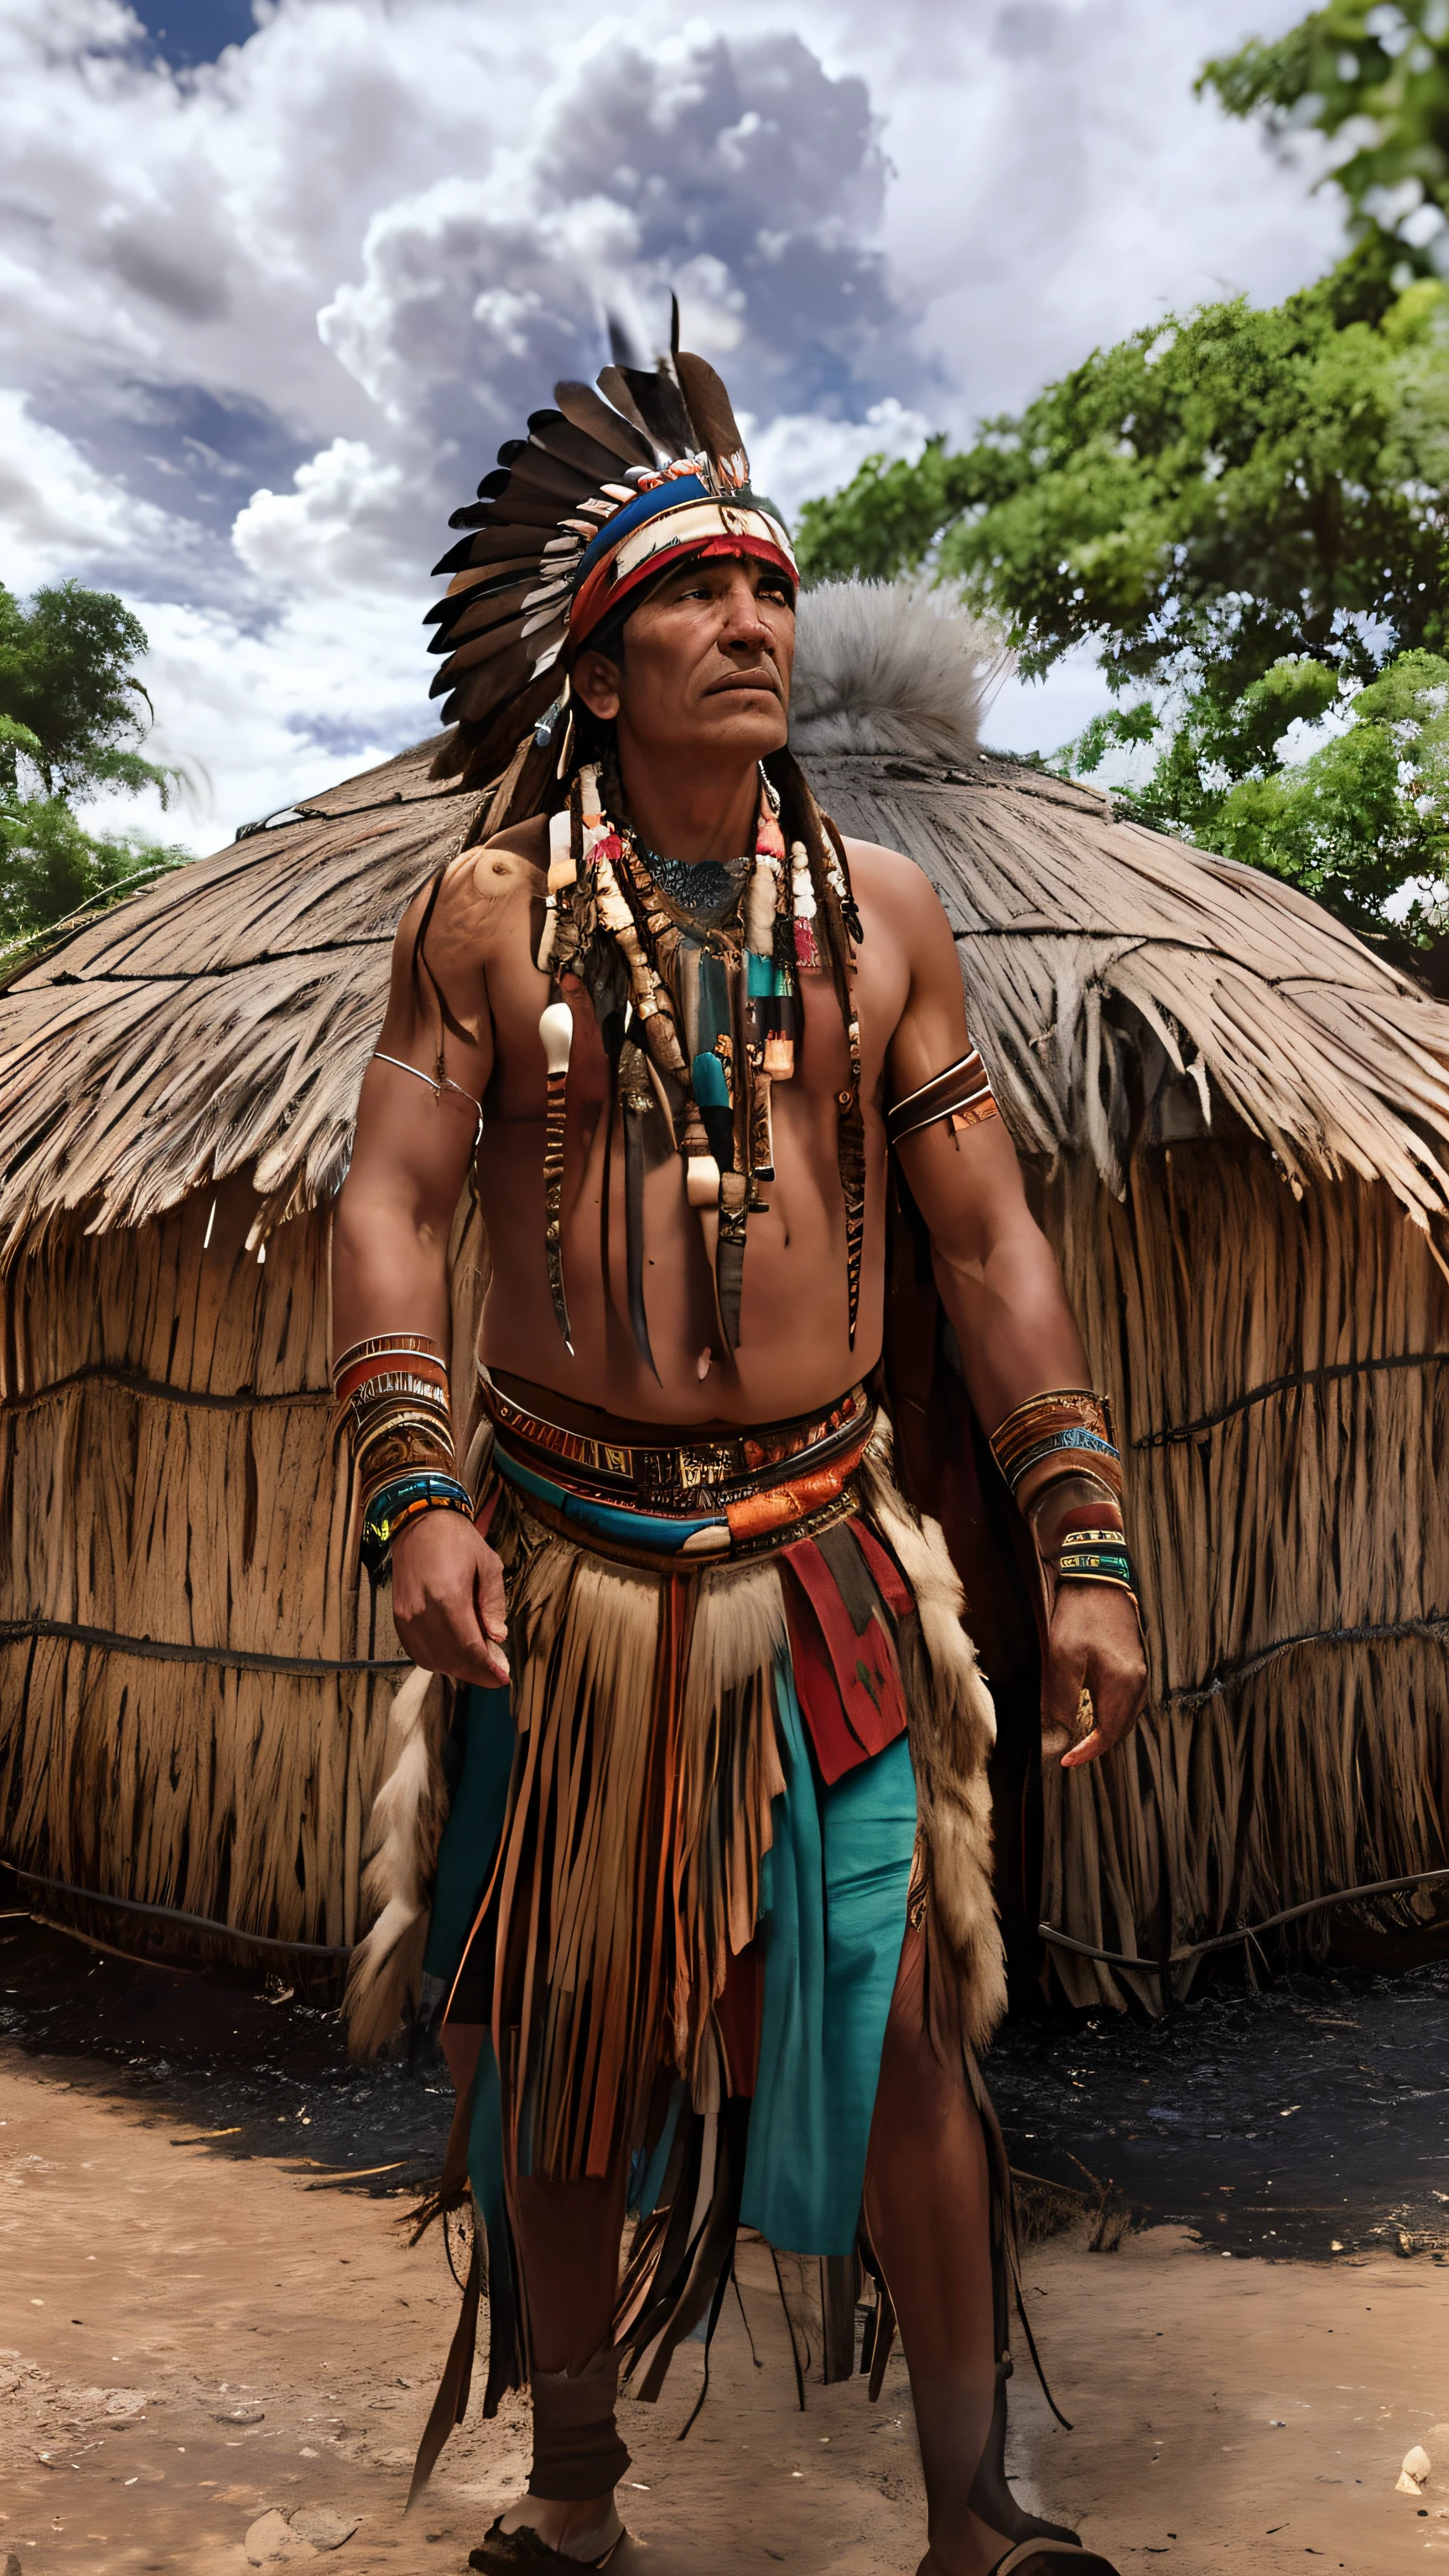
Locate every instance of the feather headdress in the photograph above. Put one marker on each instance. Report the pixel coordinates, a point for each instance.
(573, 517)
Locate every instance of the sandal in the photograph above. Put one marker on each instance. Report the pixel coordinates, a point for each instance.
(1053, 2558)
(522, 2553)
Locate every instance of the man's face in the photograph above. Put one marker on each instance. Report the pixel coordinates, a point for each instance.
(706, 663)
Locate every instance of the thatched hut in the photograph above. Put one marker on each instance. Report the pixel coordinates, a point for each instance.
(1237, 1120)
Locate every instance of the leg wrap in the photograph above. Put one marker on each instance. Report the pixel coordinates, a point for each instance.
(577, 2453)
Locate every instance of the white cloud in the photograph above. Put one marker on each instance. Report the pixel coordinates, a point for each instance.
(58, 512)
(797, 455)
(474, 296)
(264, 323)
(261, 717)
(337, 529)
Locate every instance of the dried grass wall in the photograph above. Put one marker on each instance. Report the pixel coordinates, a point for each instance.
(193, 1690)
(1281, 1369)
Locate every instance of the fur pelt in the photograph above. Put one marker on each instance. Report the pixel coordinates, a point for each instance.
(952, 1730)
(884, 666)
(384, 1977)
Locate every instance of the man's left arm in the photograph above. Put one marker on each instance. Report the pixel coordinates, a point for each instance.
(1002, 1289)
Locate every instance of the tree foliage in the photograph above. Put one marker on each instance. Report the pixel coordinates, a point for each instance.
(1356, 819)
(1211, 494)
(71, 722)
(1246, 514)
(1372, 76)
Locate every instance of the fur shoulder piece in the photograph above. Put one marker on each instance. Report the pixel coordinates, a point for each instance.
(885, 666)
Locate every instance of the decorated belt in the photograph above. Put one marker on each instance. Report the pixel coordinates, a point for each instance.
(689, 1498)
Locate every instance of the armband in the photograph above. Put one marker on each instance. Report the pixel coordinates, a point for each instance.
(961, 1096)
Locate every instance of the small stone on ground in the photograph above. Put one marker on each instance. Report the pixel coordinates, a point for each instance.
(271, 2542)
(324, 2525)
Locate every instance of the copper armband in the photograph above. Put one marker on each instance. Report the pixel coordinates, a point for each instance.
(961, 1096)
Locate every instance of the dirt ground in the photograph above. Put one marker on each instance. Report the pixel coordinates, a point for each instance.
(197, 2334)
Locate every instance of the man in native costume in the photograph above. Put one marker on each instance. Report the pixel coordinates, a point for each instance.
(713, 1912)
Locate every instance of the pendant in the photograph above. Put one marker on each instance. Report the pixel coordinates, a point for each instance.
(556, 1029)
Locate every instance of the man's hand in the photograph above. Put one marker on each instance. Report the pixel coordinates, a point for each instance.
(1094, 1644)
(447, 1600)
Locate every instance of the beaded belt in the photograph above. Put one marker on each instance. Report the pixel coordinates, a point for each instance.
(692, 1498)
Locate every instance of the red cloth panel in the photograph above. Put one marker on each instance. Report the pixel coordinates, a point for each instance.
(890, 1583)
(849, 1687)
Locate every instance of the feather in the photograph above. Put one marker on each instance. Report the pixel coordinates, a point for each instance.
(621, 346)
(584, 410)
(483, 685)
(537, 471)
(519, 507)
(485, 753)
(715, 428)
(558, 437)
(385, 1972)
(659, 403)
(491, 544)
(482, 648)
(475, 616)
(496, 584)
(612, 381)
(488, 581)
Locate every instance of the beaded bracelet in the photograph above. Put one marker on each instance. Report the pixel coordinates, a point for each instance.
(405, 1498)
(391, 1392)
(1067, 1423)
(1095, 1556)
(1068, 1432)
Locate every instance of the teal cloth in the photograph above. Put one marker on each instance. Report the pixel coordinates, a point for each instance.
(474, 1828)
(832, 1920)
(637, 1529)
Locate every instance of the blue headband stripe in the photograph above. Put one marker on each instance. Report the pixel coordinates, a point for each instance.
(636, 514)
(674, 494)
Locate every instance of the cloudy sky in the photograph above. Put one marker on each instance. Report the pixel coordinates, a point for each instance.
(275, 280)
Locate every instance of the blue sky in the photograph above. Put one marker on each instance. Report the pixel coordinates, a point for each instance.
(186, 32)
(275, 283)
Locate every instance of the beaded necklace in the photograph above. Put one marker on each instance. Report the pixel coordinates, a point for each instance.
(699, 1019)
(706, 889)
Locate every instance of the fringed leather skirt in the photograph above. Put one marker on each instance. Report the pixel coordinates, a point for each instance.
(746, 1736)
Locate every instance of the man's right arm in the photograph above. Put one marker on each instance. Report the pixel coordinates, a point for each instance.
(394, 1216)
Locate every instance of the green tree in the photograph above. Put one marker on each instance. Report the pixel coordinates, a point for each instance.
(71, 723)
(1245, 512)
(1373, 77)
(1368, 810)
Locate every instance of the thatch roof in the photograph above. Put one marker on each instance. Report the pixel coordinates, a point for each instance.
(222, 1019)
